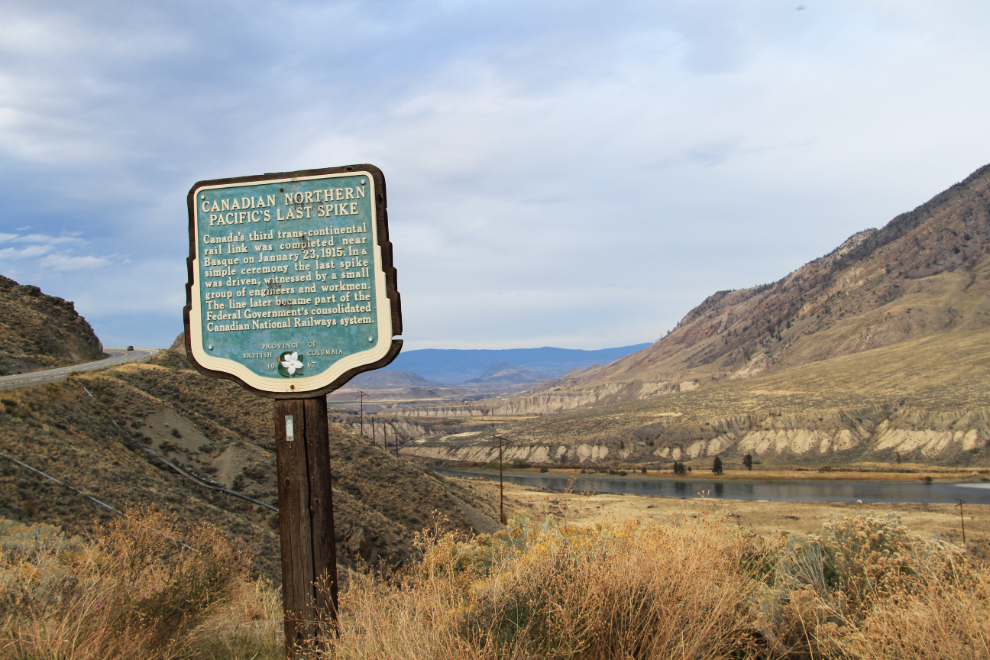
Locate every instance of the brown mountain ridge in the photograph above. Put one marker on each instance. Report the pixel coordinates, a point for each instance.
(38, 331)
(878, 351)
(925, 272)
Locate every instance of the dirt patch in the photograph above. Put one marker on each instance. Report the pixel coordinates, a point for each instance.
(169, 431)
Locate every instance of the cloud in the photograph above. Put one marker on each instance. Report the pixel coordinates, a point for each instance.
(539, 158)
(39, 247)
(61, 262)
(24, 253)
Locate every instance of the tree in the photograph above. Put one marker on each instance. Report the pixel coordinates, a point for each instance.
(717, 466)
(679, 468)
(748, 461)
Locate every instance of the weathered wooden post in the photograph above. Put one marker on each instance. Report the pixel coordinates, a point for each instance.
(362, 410)
(962, 522)
(291, 293)
(501, 491)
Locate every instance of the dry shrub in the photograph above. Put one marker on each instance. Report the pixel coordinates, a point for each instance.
(401, 618)
(248, 626)
(863, 589)
(866, 587)
(904, 596)
(639, 590)
(134, 591)
(944, 620)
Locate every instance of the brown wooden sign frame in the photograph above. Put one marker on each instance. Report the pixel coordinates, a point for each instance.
(391, 291)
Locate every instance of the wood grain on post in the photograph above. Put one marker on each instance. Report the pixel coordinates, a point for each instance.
(309, 565)
(321, 508)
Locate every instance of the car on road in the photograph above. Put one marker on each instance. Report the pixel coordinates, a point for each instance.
(130, 348)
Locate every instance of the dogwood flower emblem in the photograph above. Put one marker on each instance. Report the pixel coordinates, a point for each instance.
(289, 364)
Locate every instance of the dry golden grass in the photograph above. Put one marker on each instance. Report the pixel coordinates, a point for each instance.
(137, 590)
(544, 592)
(686, 588)
(864, 588)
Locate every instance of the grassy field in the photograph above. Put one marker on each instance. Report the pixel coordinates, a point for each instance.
(689, 582)
(757, 516)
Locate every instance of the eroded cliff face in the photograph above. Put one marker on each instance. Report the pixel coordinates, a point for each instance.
(554, 400)
(925, 272)
(877, 433)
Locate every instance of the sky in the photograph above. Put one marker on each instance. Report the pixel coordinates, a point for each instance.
(572, 174)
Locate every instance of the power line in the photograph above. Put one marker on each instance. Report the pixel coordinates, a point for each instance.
(61, 483)
(191, 477)
(93, 499)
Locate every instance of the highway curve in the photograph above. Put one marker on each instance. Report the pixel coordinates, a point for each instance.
(117, 356)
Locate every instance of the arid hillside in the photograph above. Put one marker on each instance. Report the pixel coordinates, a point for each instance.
(878, 351)
(926, 272)
(107, 434)
(40, 332)
(925, 401)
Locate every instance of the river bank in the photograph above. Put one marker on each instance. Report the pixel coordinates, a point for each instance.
(863, 471)
(758, 516)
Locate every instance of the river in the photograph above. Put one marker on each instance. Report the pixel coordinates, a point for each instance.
(810, 490)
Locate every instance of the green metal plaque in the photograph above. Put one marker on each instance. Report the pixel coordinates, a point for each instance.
(291, 285)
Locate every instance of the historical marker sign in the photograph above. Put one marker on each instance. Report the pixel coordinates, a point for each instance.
(291, 286)
(292, 292)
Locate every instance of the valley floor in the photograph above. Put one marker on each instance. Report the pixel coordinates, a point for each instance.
(761, 517)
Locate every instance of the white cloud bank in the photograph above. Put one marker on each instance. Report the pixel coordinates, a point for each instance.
(576, 175)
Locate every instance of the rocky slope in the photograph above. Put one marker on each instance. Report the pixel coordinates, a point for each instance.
(38, 331)
(922, 401)
(925, 272)
(879, 350)
(106, 433)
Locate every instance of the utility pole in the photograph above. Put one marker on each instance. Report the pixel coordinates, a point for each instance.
(501, 490)
(962, 522)
(374, 441)
(362, 410)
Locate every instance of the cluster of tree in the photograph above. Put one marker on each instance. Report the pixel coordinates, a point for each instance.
(717, 467)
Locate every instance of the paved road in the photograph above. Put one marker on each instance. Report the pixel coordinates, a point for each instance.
(117, 356)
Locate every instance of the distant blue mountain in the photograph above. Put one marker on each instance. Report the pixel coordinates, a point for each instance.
(452, 366)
